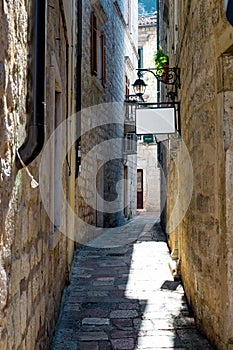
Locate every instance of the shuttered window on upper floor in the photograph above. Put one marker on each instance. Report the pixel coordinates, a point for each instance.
(98, 50)
(127, 86)
(93, 44)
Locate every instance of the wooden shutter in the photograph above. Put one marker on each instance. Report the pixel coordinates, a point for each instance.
(103, 49)
(127, 83)
(93, 44)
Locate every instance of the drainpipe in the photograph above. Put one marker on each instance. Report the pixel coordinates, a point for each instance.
(35, 128)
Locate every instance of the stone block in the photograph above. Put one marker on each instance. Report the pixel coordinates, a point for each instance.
(104, 281)
(96, 321)
(23, 311)
(30, 342)
(92, 336)
(23, 345)
(42, 310)
(121, 334)
(16, 323)
(124, 324)
(25, 266)
(88, 346)
(118, 344)
(35, 287)
(3, 288)
(124, 314)
(33, 257)
(39, 249)
(24, 232)
(4, 344)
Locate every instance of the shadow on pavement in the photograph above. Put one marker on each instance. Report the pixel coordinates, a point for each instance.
(99, 307)
(123, 296)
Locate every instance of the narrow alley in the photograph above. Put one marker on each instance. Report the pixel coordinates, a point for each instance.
(122, 295)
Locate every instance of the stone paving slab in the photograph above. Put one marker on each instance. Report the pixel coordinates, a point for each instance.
(122, 295)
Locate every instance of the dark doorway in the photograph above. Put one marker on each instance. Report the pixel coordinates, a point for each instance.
(139, 189)
(126, 191)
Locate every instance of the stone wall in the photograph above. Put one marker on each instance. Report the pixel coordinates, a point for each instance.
(147, 160)
(147, 39)
(203, 52)
(33, 266)
(102, 117)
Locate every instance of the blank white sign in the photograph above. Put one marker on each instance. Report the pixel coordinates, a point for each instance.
(155, 121)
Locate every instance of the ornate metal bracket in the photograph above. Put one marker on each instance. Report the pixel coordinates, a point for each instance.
(167, 75)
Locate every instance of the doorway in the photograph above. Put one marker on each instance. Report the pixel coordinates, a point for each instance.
(125, 191)
(139, 189)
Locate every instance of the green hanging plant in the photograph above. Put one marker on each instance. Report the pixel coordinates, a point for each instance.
(161, 59)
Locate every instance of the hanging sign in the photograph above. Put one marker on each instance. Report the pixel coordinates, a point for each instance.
(148, 138)
(155, 121)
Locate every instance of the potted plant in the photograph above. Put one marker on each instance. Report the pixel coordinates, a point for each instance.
(162, 63)
(161, 58)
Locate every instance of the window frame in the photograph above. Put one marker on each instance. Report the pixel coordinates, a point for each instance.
(98, 50)
(94, 36)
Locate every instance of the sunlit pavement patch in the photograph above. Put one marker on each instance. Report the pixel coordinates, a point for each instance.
(125, 297)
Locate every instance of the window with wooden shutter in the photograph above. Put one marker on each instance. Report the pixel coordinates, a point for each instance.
(127, 85)
(103, 50)
(94, 36)
(98, 50)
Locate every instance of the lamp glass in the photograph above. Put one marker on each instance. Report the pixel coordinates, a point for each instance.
(139, 87)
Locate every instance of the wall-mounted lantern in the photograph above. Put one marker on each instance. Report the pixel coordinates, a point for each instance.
(166, 75)
(139, 87)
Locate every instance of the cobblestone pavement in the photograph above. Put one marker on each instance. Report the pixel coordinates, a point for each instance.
(123, 296)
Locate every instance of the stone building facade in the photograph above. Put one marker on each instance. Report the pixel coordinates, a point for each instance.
(35, 256)
(199, 40)
(147, 46)
(147, 160)
(109, 59)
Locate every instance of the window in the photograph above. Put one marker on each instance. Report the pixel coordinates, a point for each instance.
(103, 58)
(130, 112)
(98, 50)
(139, 189)
(94, 36)
(127, 85)
(130, 146)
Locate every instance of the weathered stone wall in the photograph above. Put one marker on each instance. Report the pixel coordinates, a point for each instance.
(147, 39)
(225, 91)
(163, 154)
(172, 194)
(147, 160)
(102, 115)
(203, 52)
(32, 275)
(131, 187)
